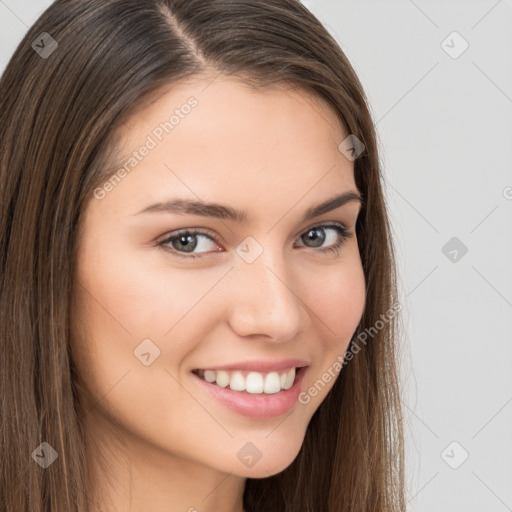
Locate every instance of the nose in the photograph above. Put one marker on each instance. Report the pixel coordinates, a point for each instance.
(264, 302)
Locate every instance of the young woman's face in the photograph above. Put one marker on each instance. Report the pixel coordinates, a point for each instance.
(158, 302)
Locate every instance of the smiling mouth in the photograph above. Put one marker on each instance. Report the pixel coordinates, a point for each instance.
(250, 381)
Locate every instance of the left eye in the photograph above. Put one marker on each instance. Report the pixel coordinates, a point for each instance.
(185, 242)
(317, 235)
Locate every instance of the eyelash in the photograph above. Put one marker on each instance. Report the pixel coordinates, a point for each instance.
(335, 249)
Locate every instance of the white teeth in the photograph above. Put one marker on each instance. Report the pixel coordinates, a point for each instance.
(254, 382)
(272, 383)
(210, 376)
(237, 382)
(222, 378)
(290, 377)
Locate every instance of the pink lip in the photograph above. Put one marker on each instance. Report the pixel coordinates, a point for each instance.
(259, 405)
(261, 365)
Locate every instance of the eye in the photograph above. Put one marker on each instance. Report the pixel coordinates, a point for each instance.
(183, 243)
(317, 236)
(186, 240)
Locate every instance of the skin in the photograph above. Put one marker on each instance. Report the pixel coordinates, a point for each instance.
(156, 441)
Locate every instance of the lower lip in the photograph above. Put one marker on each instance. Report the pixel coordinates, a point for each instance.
(256, 405)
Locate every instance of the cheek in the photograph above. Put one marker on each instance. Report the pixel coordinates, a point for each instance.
(121, 302)
(126, 299)
(337, 299)
(137, 290)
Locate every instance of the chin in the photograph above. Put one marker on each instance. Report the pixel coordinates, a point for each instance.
(273, 460)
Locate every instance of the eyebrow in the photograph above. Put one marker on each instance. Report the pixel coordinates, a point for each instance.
(219, 211)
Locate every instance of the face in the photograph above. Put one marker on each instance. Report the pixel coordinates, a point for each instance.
(167, 295)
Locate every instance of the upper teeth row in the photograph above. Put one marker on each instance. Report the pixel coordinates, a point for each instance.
(255, 382)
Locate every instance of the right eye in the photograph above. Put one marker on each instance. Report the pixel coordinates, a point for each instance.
(186, 241)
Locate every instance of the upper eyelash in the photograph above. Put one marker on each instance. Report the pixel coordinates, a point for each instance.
(342, 230)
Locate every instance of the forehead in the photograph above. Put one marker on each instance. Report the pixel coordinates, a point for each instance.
(218, 137)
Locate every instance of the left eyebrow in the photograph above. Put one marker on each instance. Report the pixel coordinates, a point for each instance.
(332, 204)
(219, 211)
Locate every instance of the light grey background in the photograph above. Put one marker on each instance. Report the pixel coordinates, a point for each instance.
(445, 135)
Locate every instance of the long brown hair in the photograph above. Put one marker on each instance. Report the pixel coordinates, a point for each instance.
(60, 103)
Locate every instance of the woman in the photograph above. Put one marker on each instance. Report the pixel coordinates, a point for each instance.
(198, 300)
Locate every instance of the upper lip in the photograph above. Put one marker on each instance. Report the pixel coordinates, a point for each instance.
(260, 365)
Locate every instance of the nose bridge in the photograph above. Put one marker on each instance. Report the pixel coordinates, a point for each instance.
(266, 303)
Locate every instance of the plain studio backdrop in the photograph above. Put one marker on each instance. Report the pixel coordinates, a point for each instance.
(438, 76)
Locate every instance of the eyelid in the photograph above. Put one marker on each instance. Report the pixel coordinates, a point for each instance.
(199, 231)
(325, 223)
